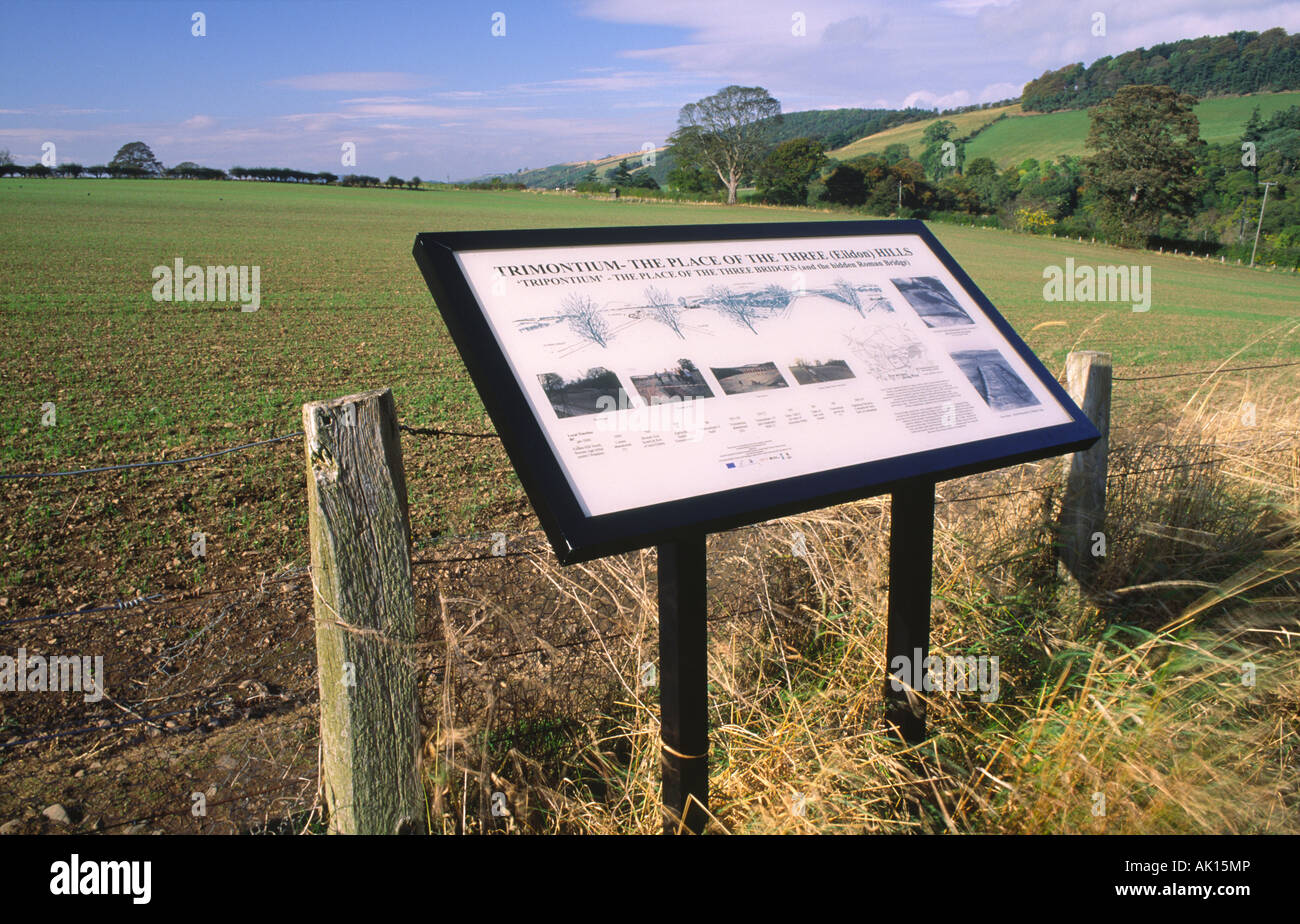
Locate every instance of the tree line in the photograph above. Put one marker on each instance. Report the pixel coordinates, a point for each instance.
(136, 161)
(1237, 63)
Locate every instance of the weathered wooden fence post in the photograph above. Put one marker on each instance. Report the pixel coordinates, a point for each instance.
(365, 615)
(1083, 509)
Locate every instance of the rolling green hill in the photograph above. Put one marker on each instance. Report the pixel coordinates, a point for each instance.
(910, 133)
(1046, 136)
(568, 174)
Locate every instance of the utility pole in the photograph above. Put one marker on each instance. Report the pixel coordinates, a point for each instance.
(1261, 220)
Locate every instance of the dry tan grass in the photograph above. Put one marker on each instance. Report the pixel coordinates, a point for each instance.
(1136, 697)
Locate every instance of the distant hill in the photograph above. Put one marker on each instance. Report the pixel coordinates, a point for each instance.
(833, 127)
(1008, 135)
(837, 127)
(1237, 63)
(569, 174)
(1231, 73)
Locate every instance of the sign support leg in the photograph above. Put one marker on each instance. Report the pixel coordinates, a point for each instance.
(911, 554)
(683, 684)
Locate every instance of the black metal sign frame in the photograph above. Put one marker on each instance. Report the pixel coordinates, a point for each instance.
(577, 537)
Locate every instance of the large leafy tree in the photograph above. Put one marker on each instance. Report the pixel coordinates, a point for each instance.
(137, 156)
(725, 133)
(784, 175)
(620, 175)
(693, 180)
(932, 158)
(1145, 139)
(878, 186)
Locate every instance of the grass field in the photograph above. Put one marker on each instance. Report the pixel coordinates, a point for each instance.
(1046, 136)
(344, 309)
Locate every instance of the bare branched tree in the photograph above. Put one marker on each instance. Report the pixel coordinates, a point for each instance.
(585, 318)
(734, 305)
(664, 310)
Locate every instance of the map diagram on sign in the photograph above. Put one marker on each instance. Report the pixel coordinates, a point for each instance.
(891, 352)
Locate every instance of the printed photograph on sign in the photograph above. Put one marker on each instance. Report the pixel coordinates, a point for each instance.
(994, 379)
(752, 377)
(933, 302)
(596, 392)
(811, 372)
(675, 383)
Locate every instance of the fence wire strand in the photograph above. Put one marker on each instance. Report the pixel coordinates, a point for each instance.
(155, 463)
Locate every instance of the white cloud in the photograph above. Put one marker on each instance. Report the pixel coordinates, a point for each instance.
(972, 7)
(380, 99)
(924, 99)
(364, 81)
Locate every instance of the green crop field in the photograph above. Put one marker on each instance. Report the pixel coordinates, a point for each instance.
(1046, 136)
(344, 309)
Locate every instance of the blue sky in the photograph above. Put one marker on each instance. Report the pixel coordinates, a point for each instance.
(427, 89)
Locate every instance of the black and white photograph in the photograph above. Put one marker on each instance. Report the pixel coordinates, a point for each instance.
(596, 392)
(811, 372)
(683, 381)
(932, 301)
(994, 379)
(739, 380)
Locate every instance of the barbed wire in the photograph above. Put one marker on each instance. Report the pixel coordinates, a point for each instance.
(435, 431)
(158, 598)
(1174, 375)
(974, 497)
(71, 730)
(103, 610)
(155, 463)
(114, 606)
(141, 601)
(596, 638)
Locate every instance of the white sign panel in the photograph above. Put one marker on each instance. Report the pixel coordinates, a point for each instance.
(664, 371)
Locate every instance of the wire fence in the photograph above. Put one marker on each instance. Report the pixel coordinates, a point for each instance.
(141, 601)
(1203, 372)
(145, 602)
(154, 463)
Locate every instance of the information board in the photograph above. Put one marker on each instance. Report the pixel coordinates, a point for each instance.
(652, 381)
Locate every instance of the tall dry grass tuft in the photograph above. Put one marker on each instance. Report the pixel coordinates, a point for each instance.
(1169, 702)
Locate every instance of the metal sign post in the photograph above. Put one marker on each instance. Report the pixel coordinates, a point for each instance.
(907, 644)
(683, 684)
